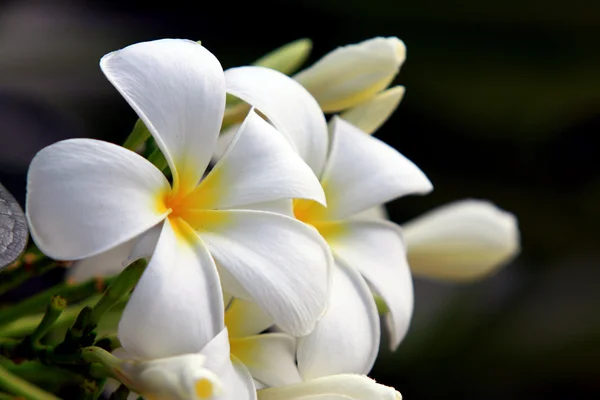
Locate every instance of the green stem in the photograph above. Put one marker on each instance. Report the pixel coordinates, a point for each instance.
(20, 387)
(24, 326)
(98, 355)
(137, 137)
(50, 377)
(55, 309)
(119, 288)
(70, 292)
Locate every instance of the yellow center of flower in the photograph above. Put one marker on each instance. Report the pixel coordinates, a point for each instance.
(204, 388)
(192, 208)
(313, 213)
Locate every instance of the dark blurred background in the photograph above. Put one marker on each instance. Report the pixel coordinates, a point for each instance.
(502, 103)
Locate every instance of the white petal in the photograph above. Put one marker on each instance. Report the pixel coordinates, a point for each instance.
(177, 306)
(224, 141)
(351, 74)
(244, 318)
(291, 109)
(369, 115)
(270, 358)
(177, 88)
(179, 378)
(237, 381)
(285, 207)
(344, 386)
(101, 265)
(346, 339)
(463, 240)
(372, 214)
(282, 263)
(259, 166)
(377, 250)
(86, 196)
(364, 172)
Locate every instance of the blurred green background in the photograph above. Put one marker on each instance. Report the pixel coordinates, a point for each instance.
(502, 103)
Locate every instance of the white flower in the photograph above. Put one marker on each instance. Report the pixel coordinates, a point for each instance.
(88, 197)
(464, 240)
(357, 172)
(335, 387)
(352, 74)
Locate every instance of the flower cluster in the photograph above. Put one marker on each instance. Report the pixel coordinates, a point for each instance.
(266, 242)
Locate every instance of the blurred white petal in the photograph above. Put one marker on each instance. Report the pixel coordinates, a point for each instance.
(464, 240)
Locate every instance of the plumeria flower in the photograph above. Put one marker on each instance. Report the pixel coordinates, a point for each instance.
(461, 241)
(88, 197)
(357, 172)
(353, 80)
(335, 387)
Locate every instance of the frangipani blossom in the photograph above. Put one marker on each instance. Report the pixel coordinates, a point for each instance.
(334, 387)
(88, 197)
(357, 172)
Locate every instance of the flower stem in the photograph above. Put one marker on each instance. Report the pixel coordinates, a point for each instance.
(55, 309)
(94, 354)
(20, 387)
(137, 137)
(36, 303)
(118, 289)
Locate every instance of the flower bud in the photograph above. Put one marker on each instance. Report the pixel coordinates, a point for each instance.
(352, 74)
(333, 387)
(464, 240)
(371, 114)
(173, 378)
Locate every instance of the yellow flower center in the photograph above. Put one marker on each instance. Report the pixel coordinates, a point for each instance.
(204, 388)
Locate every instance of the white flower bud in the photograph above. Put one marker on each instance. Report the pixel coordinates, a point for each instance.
(463, 240)
(352, 74)
(333, 387)
(173, 378)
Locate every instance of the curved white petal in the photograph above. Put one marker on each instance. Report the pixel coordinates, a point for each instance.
(178, 378)
(285, 207)
(369, 115)
(270, 358)
(115, 260)
(245, 318)
(373, 214)
(177, 88)
(334, 387)
(364, 172)
(258, 166)
(351, 74)
(346, 339)
(86, 196)
(101, 265)
(237, 381)
(463, 240)
(177, 306)
(291, 109)
(377, 250)
(281, 263)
